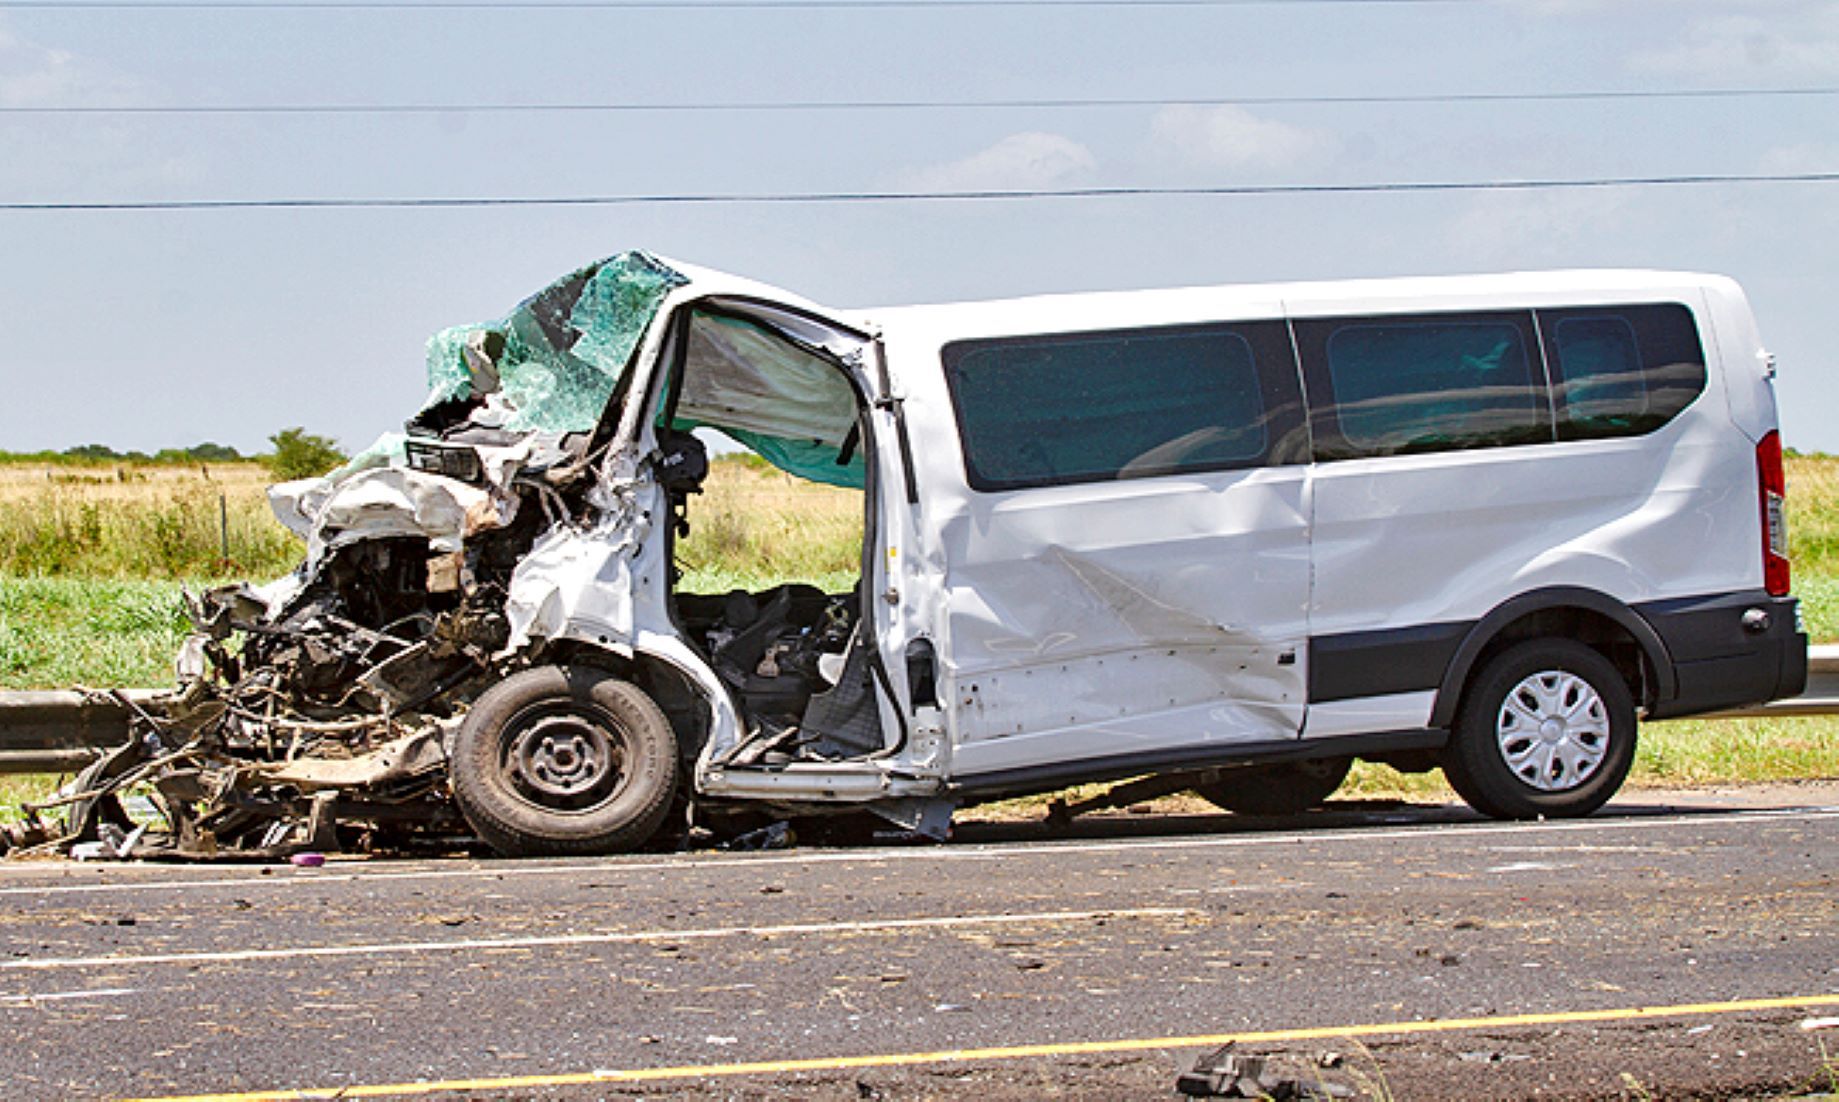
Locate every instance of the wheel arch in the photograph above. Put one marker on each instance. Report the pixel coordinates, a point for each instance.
(1595, 619)
(677, 690)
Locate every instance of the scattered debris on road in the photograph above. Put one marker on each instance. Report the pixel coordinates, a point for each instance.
(1224, 1073)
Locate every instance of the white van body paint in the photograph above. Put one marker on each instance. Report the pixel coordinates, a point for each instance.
(1171, 619)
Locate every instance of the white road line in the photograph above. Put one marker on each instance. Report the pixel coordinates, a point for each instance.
(97, 993)
(490, 944)
(991, 852)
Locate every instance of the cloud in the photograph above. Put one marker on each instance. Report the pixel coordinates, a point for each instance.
(1031, 159)
(1792, 41)
(1526, 229)
(35, 75)
(1229, 137)
(1803, 157)
(92, 157)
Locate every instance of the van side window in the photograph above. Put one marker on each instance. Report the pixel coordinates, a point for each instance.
(1621, 371)
(1087, 407)
(1423, 383)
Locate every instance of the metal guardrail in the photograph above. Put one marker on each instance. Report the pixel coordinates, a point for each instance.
(62, 731)
(1819, 698)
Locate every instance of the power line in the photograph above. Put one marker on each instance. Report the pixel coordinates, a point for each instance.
(736, 198)
(1600, 95)
(673, 5)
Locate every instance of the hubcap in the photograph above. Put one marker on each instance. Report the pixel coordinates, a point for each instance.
(1553, 730)
(565, 760)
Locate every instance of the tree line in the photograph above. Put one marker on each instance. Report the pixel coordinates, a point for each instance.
(294, 453)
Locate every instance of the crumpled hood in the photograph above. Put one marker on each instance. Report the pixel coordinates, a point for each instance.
(511, 390)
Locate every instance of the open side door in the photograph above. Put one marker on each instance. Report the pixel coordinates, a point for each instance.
(812, 397)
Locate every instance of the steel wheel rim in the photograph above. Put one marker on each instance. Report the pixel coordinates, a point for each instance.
(566, 761)
(1553, 730)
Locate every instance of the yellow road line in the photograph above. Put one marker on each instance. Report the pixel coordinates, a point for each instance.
(1013, 1052)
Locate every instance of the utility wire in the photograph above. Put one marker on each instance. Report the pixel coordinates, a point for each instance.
(676, 5)
(913, 104)
(716, 198)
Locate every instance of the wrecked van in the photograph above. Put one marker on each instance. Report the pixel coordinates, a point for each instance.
(1227, 539)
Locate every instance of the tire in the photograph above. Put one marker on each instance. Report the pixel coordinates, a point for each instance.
(1286, 788)
(1546, 728)
(564, 760)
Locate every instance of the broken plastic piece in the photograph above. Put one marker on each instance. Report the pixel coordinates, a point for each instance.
(778, 835)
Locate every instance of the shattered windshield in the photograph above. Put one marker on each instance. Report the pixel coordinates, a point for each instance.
(552, 363)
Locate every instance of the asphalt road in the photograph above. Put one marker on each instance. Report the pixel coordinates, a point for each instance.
(1641, 953)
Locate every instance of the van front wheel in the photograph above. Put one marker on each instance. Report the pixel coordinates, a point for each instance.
(564, 760)
(1286, 788)
(1547, 729)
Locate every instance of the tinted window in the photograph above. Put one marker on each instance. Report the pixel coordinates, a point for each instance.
(1621, 371)
(1384, 386)
(1040, 411)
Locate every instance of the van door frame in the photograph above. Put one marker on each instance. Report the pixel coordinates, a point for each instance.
(865, 370)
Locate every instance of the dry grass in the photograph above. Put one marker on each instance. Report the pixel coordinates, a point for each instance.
(129, 483)
(91, 559)
(754, 526)
(140, 522)
(1813, 514)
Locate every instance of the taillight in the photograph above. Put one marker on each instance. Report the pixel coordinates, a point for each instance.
(1773, 486)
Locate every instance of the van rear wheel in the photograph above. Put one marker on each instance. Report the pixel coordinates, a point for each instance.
(1285, 788)
(1547, 728)
(564, 760)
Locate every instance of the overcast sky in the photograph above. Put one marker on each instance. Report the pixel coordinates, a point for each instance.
(155, 329)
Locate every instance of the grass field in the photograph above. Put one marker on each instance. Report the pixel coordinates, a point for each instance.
(140, 522)
(92, 559)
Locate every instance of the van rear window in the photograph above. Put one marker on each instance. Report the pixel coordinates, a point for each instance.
(1042, 411)
(1621, 371)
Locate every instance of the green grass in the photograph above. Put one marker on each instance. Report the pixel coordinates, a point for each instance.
(1819, 595)
(1674, 754)
(1686, 752)
(101, 632)
(1680, 753)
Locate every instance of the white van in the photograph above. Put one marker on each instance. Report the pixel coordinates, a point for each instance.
(1231, 536)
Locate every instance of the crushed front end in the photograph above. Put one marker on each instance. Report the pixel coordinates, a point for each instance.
(318, 712)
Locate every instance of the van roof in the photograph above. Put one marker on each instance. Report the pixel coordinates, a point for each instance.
(1086, 310)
